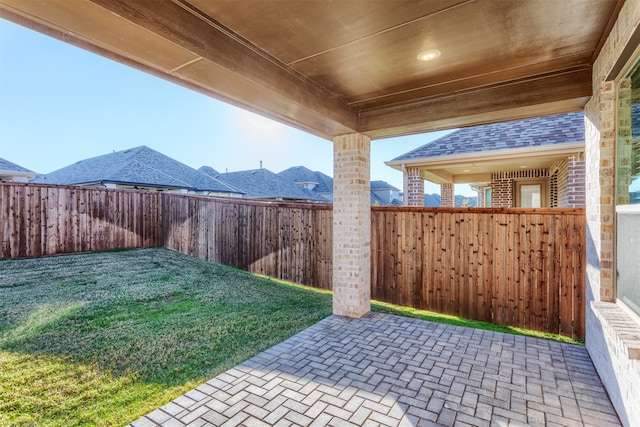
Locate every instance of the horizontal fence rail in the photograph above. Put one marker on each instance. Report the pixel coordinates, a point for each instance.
(38, 220)
(288, 241)
(518, 267)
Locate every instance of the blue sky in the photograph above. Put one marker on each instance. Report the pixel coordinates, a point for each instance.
(60, 104)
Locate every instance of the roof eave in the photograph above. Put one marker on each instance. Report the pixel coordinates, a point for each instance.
(510, 153)
(18, 173)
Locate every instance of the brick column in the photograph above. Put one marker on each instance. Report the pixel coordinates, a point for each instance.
(575, 182)
(501, 190)
(624, 143)
(447, 196)
(600, 189)
(480, 197)
(607, 324)
(351, 225)
(414, 187)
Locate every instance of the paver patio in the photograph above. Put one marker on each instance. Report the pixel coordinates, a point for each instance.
(394, 371)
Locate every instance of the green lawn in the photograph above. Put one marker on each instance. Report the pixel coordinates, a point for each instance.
(102, 339)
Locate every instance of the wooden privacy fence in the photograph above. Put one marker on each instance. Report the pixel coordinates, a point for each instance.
(518, 267)
(39, 220)
(288, 241)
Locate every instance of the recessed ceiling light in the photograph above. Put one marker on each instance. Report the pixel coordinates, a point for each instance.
(428, 55)
(466, 170)
(523, 167)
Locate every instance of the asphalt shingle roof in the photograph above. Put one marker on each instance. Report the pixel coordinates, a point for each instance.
(136, 166)
(264, 184)
(382, 185)
(540, 131)
(303, 174)
(325, 183)
(6, 165)
(209, 170)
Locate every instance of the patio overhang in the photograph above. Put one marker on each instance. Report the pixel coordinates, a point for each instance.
(338, 68)
(476, 168)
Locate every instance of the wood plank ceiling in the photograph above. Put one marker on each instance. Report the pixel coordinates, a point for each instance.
(335, 67)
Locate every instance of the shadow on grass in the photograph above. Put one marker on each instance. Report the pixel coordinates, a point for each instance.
(104, 338)
(162, 316)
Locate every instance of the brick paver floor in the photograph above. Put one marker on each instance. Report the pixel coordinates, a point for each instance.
(385, 370)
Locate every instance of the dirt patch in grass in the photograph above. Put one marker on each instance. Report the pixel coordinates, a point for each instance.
(102, 339)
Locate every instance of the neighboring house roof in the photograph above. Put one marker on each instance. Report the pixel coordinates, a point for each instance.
(10, 171)
(537, 132)
(386, 188)
(209, 170)
(382, 185)
(376, 200)
(264, 184)
(136, 166)
(300, 174)
(324, 184)
(7, 166)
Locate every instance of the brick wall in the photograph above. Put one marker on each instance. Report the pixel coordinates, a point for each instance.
(574, 194)
(607, 323)
(447, 196)
(502, 185)
(623, 144)
(556, 183)
(480, 195)
(567, 183)
(414, 187)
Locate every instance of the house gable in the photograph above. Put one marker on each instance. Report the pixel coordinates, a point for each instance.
(136, 167)
(11, 172)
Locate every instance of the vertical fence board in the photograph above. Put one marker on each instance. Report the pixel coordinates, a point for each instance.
(524, 267)
(282, 240)
(39, 220)
(508, 266)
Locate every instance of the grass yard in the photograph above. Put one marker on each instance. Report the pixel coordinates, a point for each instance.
(102, 339)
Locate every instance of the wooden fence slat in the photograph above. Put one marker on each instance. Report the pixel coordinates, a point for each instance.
(500, 265)
(524, 267)
(39, 220)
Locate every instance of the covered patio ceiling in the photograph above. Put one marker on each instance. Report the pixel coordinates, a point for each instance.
(338, 67)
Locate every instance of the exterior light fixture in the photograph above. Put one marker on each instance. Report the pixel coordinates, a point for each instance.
(428, 55)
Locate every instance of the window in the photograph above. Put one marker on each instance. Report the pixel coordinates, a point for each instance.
(530, 194)
(487, 197)
(628, 190)
(628, 142)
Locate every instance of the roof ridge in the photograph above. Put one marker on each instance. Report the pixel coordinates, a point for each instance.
(229, 186)
(136, 161)
(115, 170)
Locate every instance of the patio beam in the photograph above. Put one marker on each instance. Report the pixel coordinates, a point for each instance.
(542, 95)
(176, 42)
